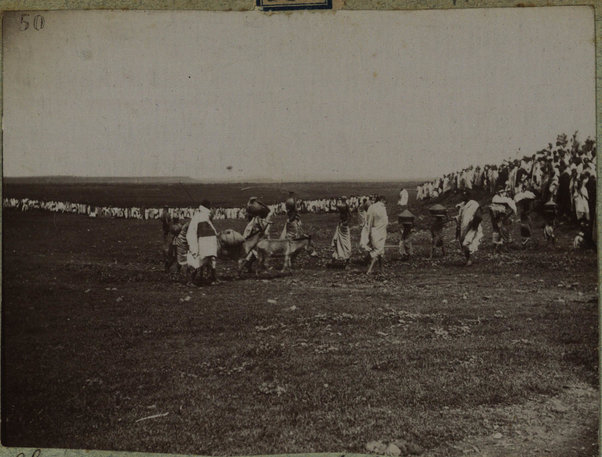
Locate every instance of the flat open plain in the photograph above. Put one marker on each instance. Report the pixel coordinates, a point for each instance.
(496, 359)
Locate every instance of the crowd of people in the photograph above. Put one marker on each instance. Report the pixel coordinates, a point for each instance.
(317, 206)
(559, 179)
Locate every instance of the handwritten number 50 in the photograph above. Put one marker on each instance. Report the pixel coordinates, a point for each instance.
(38, 22)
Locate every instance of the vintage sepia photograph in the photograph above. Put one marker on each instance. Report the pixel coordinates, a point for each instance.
(251, 232)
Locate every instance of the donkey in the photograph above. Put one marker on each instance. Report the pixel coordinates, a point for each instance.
(249, 244)
(289, 248)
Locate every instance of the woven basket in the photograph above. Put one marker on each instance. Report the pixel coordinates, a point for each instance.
(406, 217)
(438, 210)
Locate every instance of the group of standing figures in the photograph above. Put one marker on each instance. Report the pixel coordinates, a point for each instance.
(374, 221)
(194, 245)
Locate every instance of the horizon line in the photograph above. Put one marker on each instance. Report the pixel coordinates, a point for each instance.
(216, 181)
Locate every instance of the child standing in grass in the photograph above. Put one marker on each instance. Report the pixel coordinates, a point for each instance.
(549, 214)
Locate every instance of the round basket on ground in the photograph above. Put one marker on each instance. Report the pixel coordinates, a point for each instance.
(438, 210)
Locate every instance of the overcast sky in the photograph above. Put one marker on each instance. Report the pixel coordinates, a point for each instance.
(310, 95)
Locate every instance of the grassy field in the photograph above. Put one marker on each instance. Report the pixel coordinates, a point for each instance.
(496, 359)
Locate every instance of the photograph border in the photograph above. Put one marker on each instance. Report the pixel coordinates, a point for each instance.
(332, 8)
(282, 5)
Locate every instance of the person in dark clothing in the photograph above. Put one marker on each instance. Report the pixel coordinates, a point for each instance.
(169, 247)
(549, 217)
(502, 177)
(521, 175)
(564, 194)
(437, 226)
(165, 221)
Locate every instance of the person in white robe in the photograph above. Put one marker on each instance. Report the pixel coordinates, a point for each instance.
(341, 241)
(581, 197)
(403, 199)
(469, 230)
(365, 231)
(202, 240)
(376, 223)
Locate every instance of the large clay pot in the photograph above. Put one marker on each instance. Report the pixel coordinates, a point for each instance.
(230, 238)
(256, 208)
(290, 204)
(342, 207)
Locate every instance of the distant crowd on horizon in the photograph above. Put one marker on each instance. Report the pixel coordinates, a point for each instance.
(316, 206)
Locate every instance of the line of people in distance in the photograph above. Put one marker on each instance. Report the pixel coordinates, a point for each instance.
(315, 206)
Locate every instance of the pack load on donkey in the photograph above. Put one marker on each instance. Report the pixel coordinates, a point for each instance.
(230, 243)
(257, 208)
